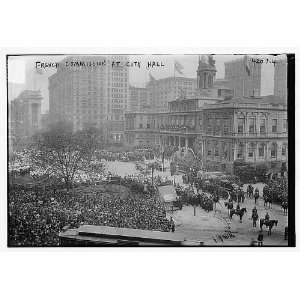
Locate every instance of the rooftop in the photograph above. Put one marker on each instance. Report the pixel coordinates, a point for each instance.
(270, 99)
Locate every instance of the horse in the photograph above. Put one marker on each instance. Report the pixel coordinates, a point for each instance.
(268, 223)
(239, 212)
(268, 200)
(285, 207)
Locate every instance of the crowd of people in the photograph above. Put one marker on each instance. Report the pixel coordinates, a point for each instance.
(134, 155)
(36, 218)
(276, 191)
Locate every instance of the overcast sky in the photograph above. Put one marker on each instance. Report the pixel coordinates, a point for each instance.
(21, 69)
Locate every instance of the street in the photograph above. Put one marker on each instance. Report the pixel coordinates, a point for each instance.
(209, 226)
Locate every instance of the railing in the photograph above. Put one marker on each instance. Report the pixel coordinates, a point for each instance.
(246, 134)
(213, 133)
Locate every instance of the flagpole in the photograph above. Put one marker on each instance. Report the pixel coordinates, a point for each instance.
(253, 79)
(174, 69)
(174, 93)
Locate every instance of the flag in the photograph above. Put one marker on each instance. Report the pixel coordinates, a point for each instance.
(178, 67)
(151, 77)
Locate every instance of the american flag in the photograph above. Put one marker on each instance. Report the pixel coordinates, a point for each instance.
(178, 67)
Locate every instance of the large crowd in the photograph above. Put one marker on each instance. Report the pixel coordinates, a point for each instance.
(36, 218)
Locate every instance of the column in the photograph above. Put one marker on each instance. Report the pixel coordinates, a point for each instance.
(257, 124)
(256, 152)
(235, 151)
(246, 124)
(245, 150)
(267, 151)
(186, 143)
(234, 126)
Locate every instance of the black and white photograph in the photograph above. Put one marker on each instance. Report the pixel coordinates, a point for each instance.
(160, 150)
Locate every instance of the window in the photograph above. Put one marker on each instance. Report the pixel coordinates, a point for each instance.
(274, 125)
(283, 150)
(208, 149)
(209, 125)
(226, 127)
(261, 150)
(141, 125)
(217, 126)
(273, 150)
(251, 150)
(240, 125)
(240, 151)
(251, 125)
(225, 150)
(216, 151)
(200, 122)
(262, 126)
(148, 125)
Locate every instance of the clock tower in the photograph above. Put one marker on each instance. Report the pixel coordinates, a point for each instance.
(206, 72)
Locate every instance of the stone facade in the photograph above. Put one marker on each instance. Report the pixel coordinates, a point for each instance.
(252, 130)
(24, 116)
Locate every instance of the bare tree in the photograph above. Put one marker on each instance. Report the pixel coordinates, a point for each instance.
(62, 153)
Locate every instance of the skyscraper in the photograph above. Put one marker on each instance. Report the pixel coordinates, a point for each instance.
(164, 90)
(243, 76)
(90, 91)
(280, 79)
(138, 99)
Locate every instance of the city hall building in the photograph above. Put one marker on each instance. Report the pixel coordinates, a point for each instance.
(220, 129)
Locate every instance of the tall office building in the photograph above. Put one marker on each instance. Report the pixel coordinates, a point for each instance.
(243, 76)
(162, 91)
(24, 116)
(280, 79)
(90, 91)
(117, 96)
(138, 99)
